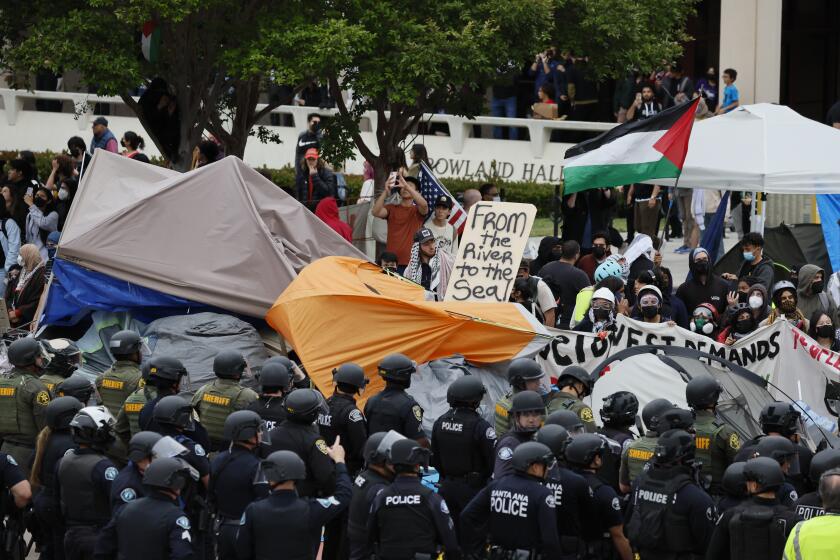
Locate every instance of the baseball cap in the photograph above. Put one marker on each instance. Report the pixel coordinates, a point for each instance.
(311, 153)
(100, 120)
(443, 200)
(423, 235)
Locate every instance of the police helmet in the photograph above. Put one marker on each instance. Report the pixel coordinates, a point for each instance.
(166, 368)
(702, 392)
(823, 461)
(466, 390)
(652, 410)
(408, 453)
(93, 425)
(396, 367)
(125, 343)
(275, 376)
(521, 370)
(78, 386)
(778, 448)
(229, 364)
(529, 453)
(674, 418)
(526, 401)
(620, 408)
(282, 360)
(575, 373)
(733, 481)
(61, 411)
(780, 417)
(567, 419)
(175, 411)
(169, 473)
(764, 471)
(583, 448)
(242, 425)
(555, 438)
(283, 465)
(350, 374)
(303, 405)
(674, 447)
(64, 356)
(23, 351)
(141, 444)
(377, 448)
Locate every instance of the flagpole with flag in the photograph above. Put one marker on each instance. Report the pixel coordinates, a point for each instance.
(431, 188)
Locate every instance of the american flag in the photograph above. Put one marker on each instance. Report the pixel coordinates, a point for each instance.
(431, 189)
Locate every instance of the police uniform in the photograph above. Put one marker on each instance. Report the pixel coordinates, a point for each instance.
(117, 383)
(797, 473)
(10, 474)
(127, 487)
(809, 506)
(573, 501)
(756, 529)
(346, 420)
(215, 401)
(518, 513)
(146, 528)
(232, 488)
(84, 488)
(669, 515)
(607, 514)
(635, 456)
(501, 415)
(463, 446)
(366, 486)
(271, 409)
(564, 401)
(288, 520)
(717, 444)
(45, 503)
(128, 418)
(408, 518)
(146, 422)
(504, 452)
(50, 381)
(23, 400)
(307, 443)
(394, 409)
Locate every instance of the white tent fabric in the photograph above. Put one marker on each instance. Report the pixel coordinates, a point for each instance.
(762, 147)
(222, 235)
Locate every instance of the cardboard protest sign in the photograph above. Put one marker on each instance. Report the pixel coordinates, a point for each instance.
(494, 239)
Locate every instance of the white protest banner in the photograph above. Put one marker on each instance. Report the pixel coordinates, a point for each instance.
(491, 248)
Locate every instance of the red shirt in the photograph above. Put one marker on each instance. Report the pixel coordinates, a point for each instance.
(403, 223)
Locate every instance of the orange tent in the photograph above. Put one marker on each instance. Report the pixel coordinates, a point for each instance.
(341, 309)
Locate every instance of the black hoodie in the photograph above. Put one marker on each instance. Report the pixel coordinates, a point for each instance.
(544, 253)
(693, 292)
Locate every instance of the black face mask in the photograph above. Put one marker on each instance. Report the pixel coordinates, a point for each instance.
(825, 331)
(39, 202)
(556, 254)
(316, 127)
(650, 311)
(743, 326)
(601, 314)
(816, 286)
(599, 252)
(701, 267)
(743, 297)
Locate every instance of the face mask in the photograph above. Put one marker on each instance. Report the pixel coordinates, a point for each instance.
(825, 331)
(702, 325)
(51, 252)
(650, 311)
(20, 260)
(748, 256)
(316, 127)
(63, 194)
(743, 326)
(816, 287)
(788, 306)
(40, 202)
(701, 267)
(497, 198)
(601, 314)
(743, 297)
(556, 253)
(756, 302)
(599, 252)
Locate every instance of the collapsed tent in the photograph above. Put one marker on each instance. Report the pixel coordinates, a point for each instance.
(789, 246)
(342, 309)
(222, 236)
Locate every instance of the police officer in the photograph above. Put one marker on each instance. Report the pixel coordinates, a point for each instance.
(567, 419)
(407, 518)
(669, 515)
(462, 446)
(64, 360)
(299, 433)
(573, 499)
(584, 454)
(275, 384)
(84, 481)
(574, 384)
(153, 526)
(783, 451)
(675, 418)
(286, 519)
(218, 398)
(128, 486)
(77, 386)
(516, 511)
(377, 474)
(527, 411)
(734, 487)
(393, 408)
(123, 377)
(232, 476)
(524, 374)
(759, 527)
(810, 505)
(17, 493)
(299, 378)
(128, 419)
(639, 451)
(23, 400)
(717, 443)
(343, 417)
(618, 413)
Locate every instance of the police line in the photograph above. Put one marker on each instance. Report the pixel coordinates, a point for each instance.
(785, 356)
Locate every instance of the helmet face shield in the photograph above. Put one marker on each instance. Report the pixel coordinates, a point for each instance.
(168, 447)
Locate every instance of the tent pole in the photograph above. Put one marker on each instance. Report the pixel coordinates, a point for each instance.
(668, 213)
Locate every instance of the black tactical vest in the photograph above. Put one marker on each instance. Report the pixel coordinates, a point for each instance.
(81, 503)
(360, 505)
(759, 531)
(457, 452)
(405, 528)
(654, 525)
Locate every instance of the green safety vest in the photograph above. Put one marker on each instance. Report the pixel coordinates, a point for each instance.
(637, 454)
(117, 383)
(816, 538)
(216, 400)
(23, 400)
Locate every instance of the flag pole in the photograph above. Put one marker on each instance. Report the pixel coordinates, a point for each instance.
(668, 212)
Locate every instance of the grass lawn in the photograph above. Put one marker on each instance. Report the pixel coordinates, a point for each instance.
(545, 226)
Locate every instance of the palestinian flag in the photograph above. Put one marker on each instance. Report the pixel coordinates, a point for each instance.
(652, 148)
(150, 41)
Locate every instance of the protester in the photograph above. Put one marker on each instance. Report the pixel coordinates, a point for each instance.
(62, 168)
(489, 192)
(755, 264)
(327, 210)
(103, 138)
(638, 257)
(601, 315)
(429, 266)
(677, 86)
(445, 233)
(133, 143)
(741, 325)
(600, 252)
(14, 206)
(19, 178)
(753, 295)
(690, 231)
(565, 280)
(309, 138)
(52, 248)
(705, 320)
(785, 301)
(66, 194)
(388, 261)
(315, 181)
(404, 218)
(543, 69)
(812, 293)
(10, 239)
(522, 294)
(24, 293)
(644, 200)
(644, 106)
(584, 298)
(42, 219)
(702, 285)
(206, 152)
(822, 329)
(665, 282)
(78, 151)
(418, 155)
(544, 253)
(540, 294)
(731, 98)
(650, 305)
(708, 88)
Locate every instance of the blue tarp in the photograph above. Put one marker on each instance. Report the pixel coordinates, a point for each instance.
(829, 208)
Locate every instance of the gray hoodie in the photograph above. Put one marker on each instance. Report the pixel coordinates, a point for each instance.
(808, 302)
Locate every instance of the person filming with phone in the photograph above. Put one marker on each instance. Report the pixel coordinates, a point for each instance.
(404, 218)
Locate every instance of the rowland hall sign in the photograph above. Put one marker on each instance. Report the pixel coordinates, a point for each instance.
(535, 171)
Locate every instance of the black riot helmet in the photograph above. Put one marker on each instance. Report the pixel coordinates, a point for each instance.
(406, 455)
(64, 356)
(282, 360)
(620, 409)
(397, 368)
(575, 373)
(282, 466)
(169, 473)
(77, 386)
(350, 377)
(124, 344)
(303, 405)
(652, 410)
(465, 391)
(555, 438)
(567, 419)
(242, 425)
(674, 447)
(766, 472)
(23, 351)
(530, 453)
(94, 426)
(733, 481)
(174, 411)
(165, 371)
(823, 461)
(275, 377)
(674, 418)
(140, 445)
(583, 448)
(525, 401)
(521, 370)
(702, 392)
(780, 417)
(229, 364)
(377, 449)
(60, 412)
(778, 448)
